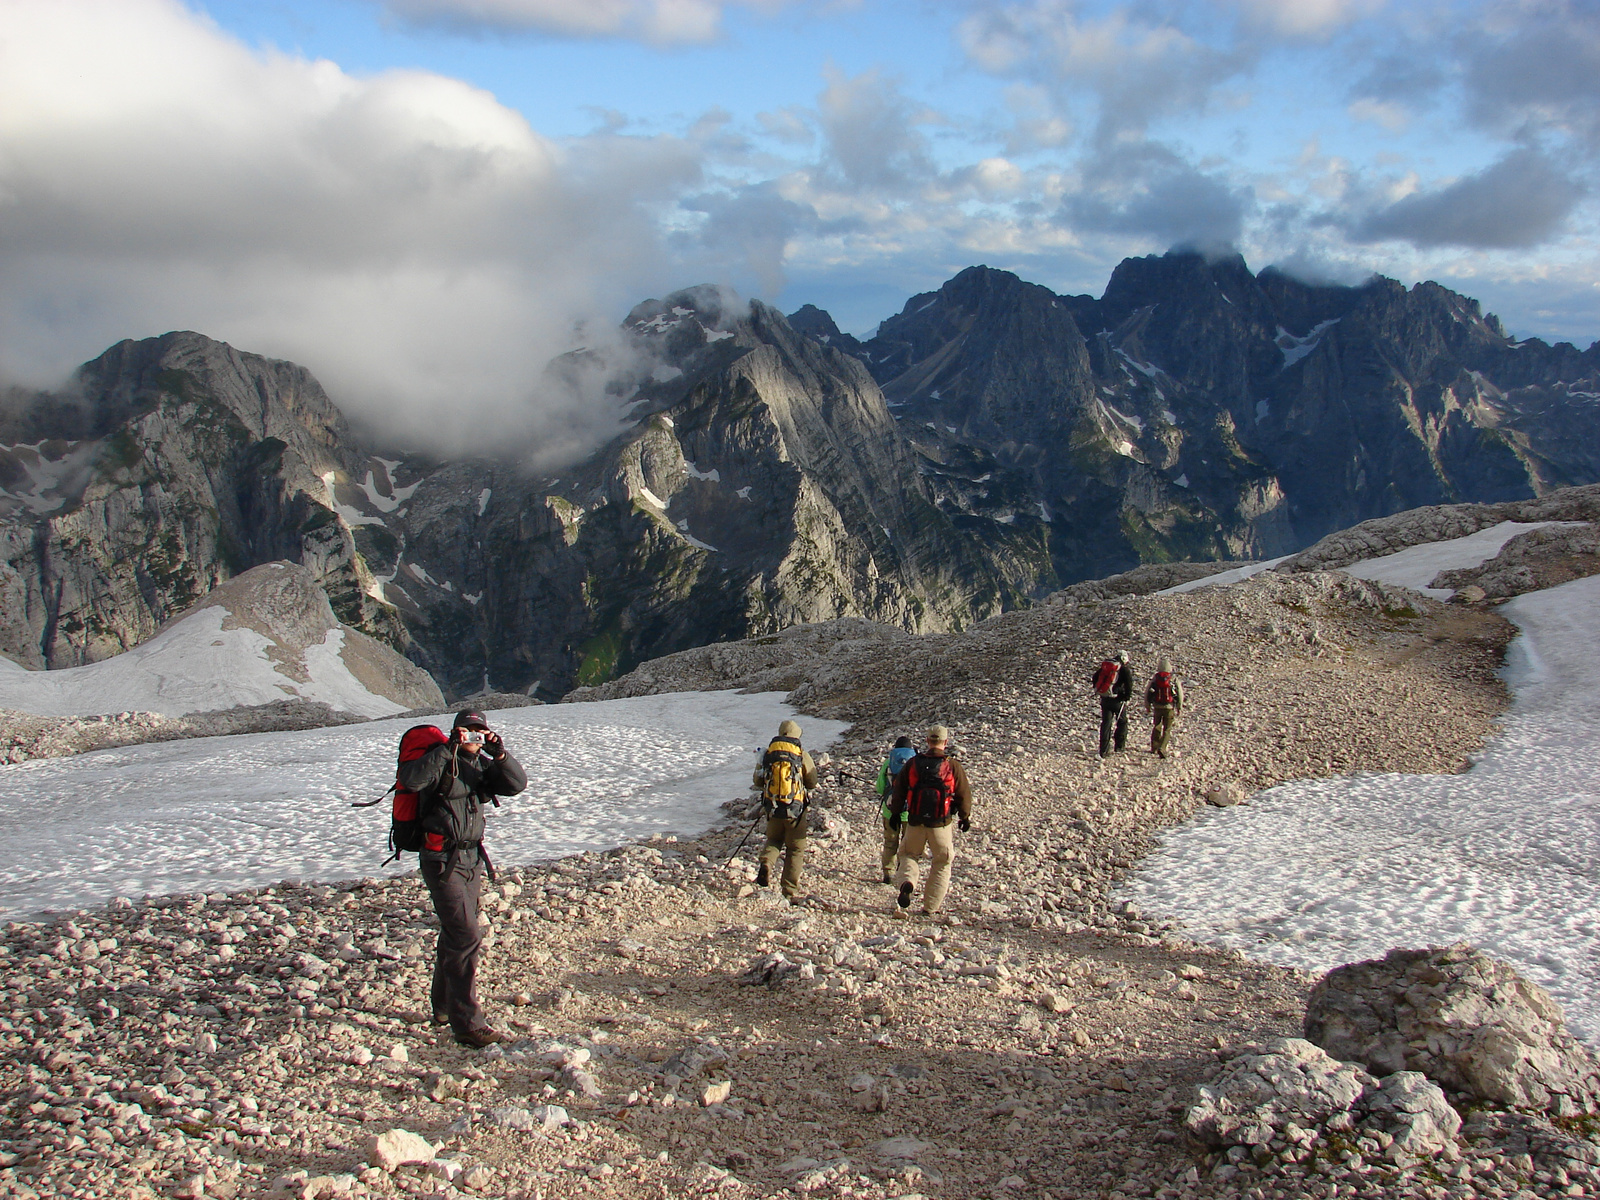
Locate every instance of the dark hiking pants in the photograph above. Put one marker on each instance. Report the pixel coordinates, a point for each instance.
(454, 890)
(1113, 713)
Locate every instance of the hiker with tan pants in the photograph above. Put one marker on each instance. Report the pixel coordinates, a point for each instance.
(932, 790)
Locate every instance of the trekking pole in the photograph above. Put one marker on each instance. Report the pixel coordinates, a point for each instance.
(744, 839)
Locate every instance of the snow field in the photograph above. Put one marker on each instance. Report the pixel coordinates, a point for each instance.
(192, 666)
(211, 814)
(1323, 872)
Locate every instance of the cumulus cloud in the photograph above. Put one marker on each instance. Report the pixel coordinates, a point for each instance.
(873, 132)
(1536, 64)
(406, 236)
(1138, 69)
(1145, 189)
(657, 21)
(1520, 201)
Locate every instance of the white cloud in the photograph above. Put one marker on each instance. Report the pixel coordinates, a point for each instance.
(1306, 18)
(658, 21)
(1385, 113)
(406, 236)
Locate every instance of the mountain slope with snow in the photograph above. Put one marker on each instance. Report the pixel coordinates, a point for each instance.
(263, 636)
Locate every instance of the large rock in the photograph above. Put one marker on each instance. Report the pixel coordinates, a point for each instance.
(397, 1148)
(1463, 1019)
(1257, 1095)
(1413, 1110)
(1286, 1087)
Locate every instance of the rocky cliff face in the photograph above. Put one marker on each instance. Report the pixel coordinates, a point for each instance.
(1199, 411)
(991, 443)
(762, 483)
(171, 465)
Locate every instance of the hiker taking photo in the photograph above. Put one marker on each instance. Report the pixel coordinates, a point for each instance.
(1113, 683)
(1163, 700)
(453, 780)
(785, 775)
(902, 753)
(932, 791)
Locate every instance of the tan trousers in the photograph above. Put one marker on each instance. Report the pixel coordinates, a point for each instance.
(940, 843)
(1163, 717)
(891, 844)
(787, 837)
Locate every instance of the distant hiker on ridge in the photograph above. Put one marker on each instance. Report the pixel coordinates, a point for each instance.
(1163, 700)
(785, 775)
(902, 753)
(1113, 683)
(932, 790)
(454, 781)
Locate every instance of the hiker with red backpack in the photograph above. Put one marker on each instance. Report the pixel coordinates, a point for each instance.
(453, 779)
(933, 793)
(1113, 683)
(1163, 700)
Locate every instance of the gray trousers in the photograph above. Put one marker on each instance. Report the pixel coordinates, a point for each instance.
(455, 966)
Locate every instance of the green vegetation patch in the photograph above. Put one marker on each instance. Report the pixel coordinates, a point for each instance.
(598, 657)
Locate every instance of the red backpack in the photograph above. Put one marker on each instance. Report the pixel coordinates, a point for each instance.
(930, 789)
(405, 821)
(1162, 689)
(1106, 677)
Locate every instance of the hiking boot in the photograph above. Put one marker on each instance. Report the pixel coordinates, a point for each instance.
(761, 876)
(480, 1037)
(888, 877)
(904, 899)
(439, 1018)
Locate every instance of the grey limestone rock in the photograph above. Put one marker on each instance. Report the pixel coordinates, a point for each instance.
(1413, 1110)
(1257, 1095)
(1465, 1020)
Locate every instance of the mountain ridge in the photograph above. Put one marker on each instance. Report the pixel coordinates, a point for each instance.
(992, 443)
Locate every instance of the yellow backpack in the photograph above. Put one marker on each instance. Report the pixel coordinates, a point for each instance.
(784, 767)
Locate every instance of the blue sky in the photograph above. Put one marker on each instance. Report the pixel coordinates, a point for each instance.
(424, 200)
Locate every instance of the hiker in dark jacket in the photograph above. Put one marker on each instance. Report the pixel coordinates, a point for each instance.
(1163, 700)
(454, 782)
(902, 753)
(1114, 706)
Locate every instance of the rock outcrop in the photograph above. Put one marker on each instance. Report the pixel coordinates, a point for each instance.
(1531, 561)
(1289, 1094)
(1463, 1019)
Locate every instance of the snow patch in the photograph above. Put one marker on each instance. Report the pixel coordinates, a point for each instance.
(1182, 480)
(483, 500)
(652, 498)
(1295, 348)
(743, 493)
(351, 516)
(192, 666)
(397, 496)
(1416, 566)
(1223, 578)
(711, 476)
(1507, 856)
(208, 814)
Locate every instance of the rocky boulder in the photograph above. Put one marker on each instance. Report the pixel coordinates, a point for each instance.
(1259, 1095)
(1289, 1092)
(1463, 1019)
